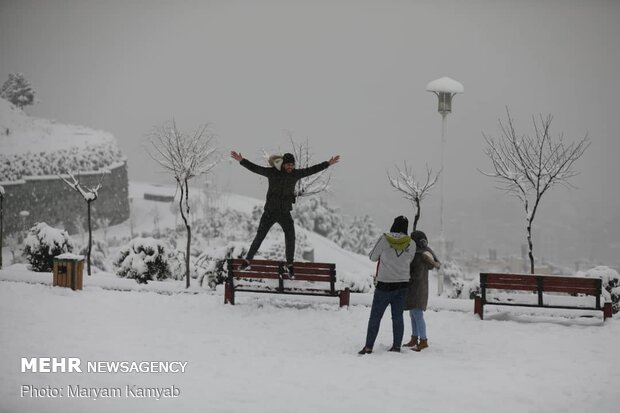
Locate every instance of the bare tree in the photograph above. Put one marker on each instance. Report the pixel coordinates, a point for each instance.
(528, 166)
(415, 191)
(90, 195)
(313, 184)
(184, 156)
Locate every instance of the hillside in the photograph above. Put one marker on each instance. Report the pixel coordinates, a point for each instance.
(354, 268)
(32, 147)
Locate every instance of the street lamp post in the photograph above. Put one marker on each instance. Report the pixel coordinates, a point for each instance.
(1, 223)
(445, 88)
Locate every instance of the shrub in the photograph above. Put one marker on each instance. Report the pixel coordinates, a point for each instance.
(453, 273)
(355, 282)
(43, 243)
(176, 264)
(357, 234)
(473, 288)
(229, 225)
(611, 284)
(91, 157)
(144, 259)
(275, 248)
(210, 267)
(98, 256)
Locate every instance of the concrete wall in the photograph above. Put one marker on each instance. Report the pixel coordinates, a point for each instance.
(49, 199)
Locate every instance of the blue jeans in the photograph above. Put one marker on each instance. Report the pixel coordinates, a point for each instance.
(396, 300)
(418, 325)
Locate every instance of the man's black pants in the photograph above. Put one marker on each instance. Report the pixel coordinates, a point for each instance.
(267, 220)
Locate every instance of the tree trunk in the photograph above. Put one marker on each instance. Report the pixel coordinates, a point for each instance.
(184, 193)
(529, 229)
(417, 214)
(189, 241)
(530, 245)
(1, 228)
(90, 240)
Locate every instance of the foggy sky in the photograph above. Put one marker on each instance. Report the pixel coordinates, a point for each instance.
(350, 76)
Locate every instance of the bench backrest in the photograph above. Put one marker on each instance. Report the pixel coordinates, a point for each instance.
(304, 271)
(546, 283)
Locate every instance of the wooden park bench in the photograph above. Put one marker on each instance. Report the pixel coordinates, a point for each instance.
(539, 284)
(265, 276)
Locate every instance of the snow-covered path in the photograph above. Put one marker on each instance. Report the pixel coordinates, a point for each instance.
(272, 354)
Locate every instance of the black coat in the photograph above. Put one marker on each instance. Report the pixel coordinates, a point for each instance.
(417, 294)
(281, 192)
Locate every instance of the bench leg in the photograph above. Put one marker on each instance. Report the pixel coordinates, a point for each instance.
(229, 294)
(607, 313)
(344, 297)
(478, 307)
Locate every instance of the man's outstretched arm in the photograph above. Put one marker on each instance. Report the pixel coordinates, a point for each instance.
(261, 170)
(302, 173)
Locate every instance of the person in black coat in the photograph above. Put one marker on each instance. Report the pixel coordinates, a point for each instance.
(417, 295)
(280, 199)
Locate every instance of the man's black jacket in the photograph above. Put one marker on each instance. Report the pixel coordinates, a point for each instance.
(281, 192)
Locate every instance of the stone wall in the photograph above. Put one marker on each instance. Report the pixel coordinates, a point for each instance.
(49, 199)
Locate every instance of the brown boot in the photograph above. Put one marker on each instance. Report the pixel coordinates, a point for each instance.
(412, 343)
(421, 345)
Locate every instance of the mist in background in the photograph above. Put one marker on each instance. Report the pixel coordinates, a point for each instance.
(350, 77)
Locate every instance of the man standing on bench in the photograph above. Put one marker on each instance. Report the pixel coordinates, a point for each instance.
(280, 199)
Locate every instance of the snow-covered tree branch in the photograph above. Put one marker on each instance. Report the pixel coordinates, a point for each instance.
(528, 166)
(313, 184)
(185, 156)
(405, 182)
(90, 194)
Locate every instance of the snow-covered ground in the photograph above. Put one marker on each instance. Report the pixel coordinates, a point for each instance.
(286, 354)
(293, 354)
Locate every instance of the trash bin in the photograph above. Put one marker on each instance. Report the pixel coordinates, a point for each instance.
(68, 270)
